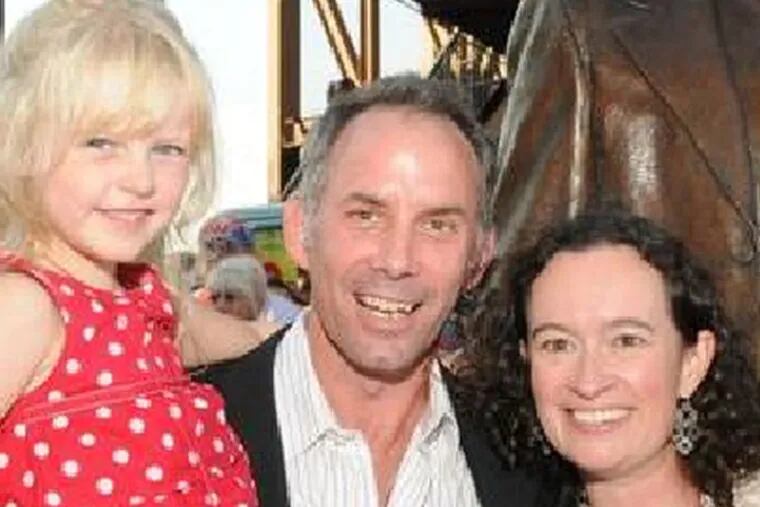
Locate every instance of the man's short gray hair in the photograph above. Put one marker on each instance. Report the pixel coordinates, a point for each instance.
(429, 96)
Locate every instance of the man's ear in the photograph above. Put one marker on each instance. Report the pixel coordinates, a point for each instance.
(480, 258)
(293, 230)
(696, 362)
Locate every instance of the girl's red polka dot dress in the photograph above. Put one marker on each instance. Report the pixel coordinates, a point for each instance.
(118, 422)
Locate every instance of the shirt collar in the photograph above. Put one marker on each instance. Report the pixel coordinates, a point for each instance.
(317, 419)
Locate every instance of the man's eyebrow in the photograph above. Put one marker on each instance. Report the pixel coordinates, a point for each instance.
(445, 210)
(364, 198)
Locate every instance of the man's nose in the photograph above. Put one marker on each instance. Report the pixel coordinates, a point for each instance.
(396, 252)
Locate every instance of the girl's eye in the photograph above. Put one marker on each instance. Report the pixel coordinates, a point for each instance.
(170, 150)
(100, 143)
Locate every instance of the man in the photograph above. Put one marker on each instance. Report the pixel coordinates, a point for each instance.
(349, 408)
(652, 103)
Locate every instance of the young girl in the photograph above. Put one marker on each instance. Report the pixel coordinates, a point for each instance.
(105, 141)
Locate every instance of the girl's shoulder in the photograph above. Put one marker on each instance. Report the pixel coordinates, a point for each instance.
(31, 327)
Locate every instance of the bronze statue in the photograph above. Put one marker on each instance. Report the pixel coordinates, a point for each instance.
(651, 103)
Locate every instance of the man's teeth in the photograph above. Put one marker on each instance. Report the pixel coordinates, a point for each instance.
(386, 306)
(598, 417)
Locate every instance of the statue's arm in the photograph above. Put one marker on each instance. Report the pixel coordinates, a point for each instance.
(545, 134)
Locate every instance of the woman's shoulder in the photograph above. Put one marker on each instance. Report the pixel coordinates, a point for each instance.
(747, 491)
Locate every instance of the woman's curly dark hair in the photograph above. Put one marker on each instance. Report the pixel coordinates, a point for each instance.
(495, 387)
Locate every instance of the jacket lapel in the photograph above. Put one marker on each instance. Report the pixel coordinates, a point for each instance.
(494, 484)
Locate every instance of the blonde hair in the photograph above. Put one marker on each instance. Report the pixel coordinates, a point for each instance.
(242, 274)
(76, 67)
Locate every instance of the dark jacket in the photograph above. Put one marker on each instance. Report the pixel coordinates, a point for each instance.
(247, 385)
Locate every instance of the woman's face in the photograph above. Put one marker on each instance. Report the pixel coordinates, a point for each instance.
(607, 362)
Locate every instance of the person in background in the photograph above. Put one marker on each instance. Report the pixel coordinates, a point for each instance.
(615, 371)
(238, 286)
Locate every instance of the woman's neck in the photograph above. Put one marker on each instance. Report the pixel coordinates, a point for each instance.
(59, 256)
(663, 483)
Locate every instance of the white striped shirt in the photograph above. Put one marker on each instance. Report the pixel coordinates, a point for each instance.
(329, 466)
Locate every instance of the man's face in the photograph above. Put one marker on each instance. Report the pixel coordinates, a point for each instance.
(395, 239)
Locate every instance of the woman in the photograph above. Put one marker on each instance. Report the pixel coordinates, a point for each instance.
(615, 373)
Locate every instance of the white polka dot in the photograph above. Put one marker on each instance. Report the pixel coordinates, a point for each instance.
(167, 307)
(216, 472)
(65, 316)
(212, 499)
(143, 403)
(220, 417)
(28, 479)
(159, 362)
(148, 288)
(97, 306)
(60, 422)
(70, 468)
(218, 445)
(137, 426)
(73, 366)
(88, 333)
(122, 301)
(175, 412)
(42, 450)
(87, 440)
(159, 499)
(11, 504)
(200, 429)
(66, 290)
(103, 413)
(167, 441)
(142, 364)
(200, 403)
(154, 473)
(115, 349)
(136, 500)
(104, 485)
(193, 458)
(55, 396)
(122, 322)
(147, 337)
(4, 460)
(120, 456)
(19, 430)
(104, 378)
(52, 499)
(183, 487)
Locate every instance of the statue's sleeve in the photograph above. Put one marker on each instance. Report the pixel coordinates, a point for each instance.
(545, 132)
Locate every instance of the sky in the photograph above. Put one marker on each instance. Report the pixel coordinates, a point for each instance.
(231, 37)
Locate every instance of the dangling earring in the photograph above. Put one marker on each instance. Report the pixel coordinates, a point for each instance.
(452, 332)
(686, 427)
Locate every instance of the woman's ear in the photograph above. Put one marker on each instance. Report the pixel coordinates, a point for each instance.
(696, 362)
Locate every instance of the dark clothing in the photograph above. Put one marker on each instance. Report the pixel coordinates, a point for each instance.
(247, 385)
